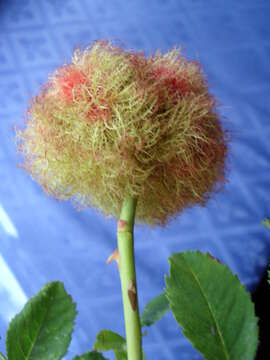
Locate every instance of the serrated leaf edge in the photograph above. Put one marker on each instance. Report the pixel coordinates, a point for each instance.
(241, 286)
(45, 288)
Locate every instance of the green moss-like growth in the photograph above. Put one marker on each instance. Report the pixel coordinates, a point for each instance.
(115, 123)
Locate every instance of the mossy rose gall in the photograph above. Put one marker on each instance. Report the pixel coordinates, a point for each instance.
(113, 124)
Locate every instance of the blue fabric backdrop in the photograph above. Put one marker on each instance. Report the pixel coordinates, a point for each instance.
(42, 239)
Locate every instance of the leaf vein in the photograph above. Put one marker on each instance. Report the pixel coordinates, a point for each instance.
(211, 313)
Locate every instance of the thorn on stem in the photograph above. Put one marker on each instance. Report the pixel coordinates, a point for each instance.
(113, 257)
(132, 295)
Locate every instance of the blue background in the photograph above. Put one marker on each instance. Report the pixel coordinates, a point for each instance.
(42, 239)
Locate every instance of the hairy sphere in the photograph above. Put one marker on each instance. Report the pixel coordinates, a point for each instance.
(115, 123)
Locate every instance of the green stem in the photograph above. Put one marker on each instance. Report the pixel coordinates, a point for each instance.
(2, 357)
(128, 278)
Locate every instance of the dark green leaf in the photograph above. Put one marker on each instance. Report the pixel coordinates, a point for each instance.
(93, 355)
(108, 340)
(214, 309)
(42, 330)
(154, 310)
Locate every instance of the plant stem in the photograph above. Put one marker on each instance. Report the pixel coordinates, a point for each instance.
(128, 278)
(2, 357)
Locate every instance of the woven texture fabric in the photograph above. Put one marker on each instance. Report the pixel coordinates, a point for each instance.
(43, 240)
